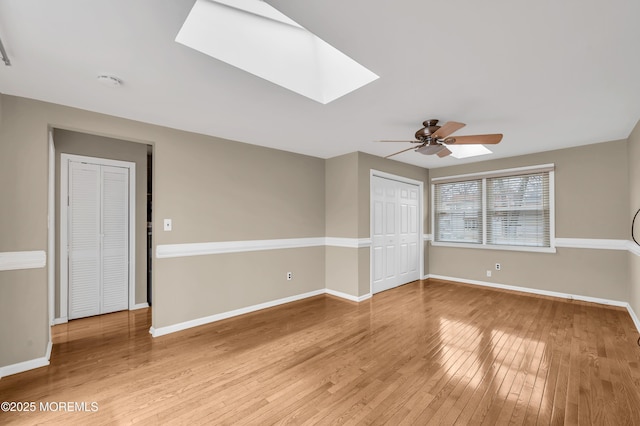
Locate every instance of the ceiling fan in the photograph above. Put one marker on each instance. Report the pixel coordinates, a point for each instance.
(433, 139)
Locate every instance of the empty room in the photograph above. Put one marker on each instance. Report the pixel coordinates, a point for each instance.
(270, 212)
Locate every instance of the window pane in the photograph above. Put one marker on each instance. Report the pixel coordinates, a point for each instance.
(518, 210)
(458, 212)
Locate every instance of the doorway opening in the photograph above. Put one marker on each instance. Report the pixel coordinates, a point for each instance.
(396, 231)
(116, 150)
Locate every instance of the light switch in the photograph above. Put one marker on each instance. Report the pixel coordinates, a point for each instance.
(167, 224)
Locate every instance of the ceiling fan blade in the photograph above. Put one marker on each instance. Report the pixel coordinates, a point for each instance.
(477, 139)
(400, 152)
(444, 153)
(447, 128)
(400, 141)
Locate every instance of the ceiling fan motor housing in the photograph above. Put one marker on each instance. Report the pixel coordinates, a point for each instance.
(426, 132)
(433, 139)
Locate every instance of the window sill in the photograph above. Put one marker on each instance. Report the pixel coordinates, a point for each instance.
(495, 247)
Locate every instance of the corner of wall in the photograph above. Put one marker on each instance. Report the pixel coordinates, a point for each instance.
(633, 158)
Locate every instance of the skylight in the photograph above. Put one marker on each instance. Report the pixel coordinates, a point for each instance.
(466, 151)
(257, 38)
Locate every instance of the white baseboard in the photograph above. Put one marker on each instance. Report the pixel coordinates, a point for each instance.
(62, 320)
(348, 296)
(48, 352)
(161, 331)
(598, 300)
(534, 291)
(21, 367)
(139, 306)
(634, 317)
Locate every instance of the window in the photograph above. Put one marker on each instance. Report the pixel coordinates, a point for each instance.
(510, 209)
(459, 212)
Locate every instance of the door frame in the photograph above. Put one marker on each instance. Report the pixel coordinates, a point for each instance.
(402, 179)
(63, 249)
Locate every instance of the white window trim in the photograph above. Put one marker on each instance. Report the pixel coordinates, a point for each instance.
(484, 175)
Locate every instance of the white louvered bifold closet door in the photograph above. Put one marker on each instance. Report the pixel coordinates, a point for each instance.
(84, 240)
(98, 239)
(115, 240)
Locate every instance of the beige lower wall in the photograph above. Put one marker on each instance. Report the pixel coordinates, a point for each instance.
(364, 271)
(348, 270)
(24, 332)
(585, 272)
(342, 269)
(634, 284)
(200, 286)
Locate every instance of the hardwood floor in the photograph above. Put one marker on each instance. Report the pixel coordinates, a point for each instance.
(428, 352)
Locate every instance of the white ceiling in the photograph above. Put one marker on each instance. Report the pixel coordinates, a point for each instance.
(547, 74)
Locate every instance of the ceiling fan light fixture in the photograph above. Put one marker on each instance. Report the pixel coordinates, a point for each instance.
(430, 149)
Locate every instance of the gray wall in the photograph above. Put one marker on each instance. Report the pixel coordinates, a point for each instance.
(24, 324)
(69, 142)
(341, 220)
(591, 201)
(218, 190)
(347, 202)
(213, 189)
(634, 201)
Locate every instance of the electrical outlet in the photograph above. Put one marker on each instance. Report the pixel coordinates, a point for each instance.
(498, 266)
(488, 273)
(289, 276)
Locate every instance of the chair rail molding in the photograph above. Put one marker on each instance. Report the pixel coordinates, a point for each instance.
(14, 260)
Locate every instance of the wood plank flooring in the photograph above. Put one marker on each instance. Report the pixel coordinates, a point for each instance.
(429, 352)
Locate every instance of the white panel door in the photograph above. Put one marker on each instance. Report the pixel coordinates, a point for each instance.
(395, 233)
(84, 240)
(408, 230)
(98, 239)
